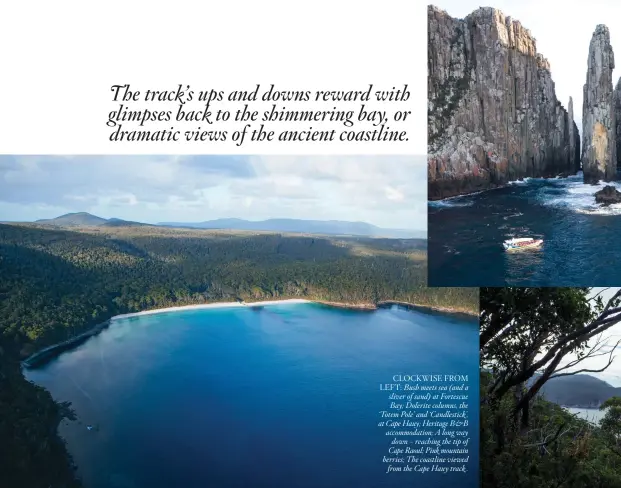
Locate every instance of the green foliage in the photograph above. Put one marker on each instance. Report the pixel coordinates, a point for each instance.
(557, 450)
(525, 331)
(55, 284)
(452, 90)
(532, 320)
(527, 441)
(611, 423)
(31, 453)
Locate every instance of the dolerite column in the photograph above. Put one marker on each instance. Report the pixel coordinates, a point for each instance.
(599, 149)
(572, 136)
(617, 115)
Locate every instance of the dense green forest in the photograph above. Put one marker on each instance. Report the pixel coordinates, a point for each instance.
(56, 283)
(529, 337)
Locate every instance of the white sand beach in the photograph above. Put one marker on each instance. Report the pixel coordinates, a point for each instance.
(61, 346)
(210, 305)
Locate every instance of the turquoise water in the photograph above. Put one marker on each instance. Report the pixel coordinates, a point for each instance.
(285, 396)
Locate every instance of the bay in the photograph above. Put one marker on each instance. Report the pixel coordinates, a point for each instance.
(280, 396)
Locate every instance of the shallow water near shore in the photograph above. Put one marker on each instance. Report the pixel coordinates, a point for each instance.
(580, 237)
(284, 395)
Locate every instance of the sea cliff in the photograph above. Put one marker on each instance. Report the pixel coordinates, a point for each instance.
(493, 115)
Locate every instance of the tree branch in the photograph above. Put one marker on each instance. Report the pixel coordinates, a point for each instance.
(611, 358)
(570, 341)
(594, 297)
(594, 351)
(494, 328)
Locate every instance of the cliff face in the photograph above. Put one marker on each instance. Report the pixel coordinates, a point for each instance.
(574, 139)
(599, 146)
(617, 114)
(493, 115)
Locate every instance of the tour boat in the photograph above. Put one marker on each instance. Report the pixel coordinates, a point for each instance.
(522, 243)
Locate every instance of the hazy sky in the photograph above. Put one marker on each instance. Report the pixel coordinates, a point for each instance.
(563, 32)
(387, 191)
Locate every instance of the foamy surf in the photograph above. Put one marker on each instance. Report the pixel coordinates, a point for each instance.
(507, 217)
(449, 204)
(607, 211)
(524, 181)
(456, 201)
(578, 197)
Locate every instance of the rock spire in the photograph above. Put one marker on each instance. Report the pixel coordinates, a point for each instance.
(599, 147)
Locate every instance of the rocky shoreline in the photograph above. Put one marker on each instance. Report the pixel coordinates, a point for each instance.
(370, 307)
(500, 187)
(428, 308)
(48, 353)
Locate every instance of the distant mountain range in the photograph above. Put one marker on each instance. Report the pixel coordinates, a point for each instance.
(84, 218)
(580, 391)
(330, 227)
(334, 227)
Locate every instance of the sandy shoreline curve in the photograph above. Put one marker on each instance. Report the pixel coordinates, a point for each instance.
(44, 355)
(201, 306)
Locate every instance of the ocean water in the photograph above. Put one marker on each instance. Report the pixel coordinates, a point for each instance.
(581, 239)
(284, 396)
(591, 414)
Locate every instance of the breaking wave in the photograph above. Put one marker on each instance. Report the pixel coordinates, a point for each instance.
(458, 201)
(573, 194)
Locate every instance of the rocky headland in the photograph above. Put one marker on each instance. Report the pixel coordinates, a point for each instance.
(493, 115)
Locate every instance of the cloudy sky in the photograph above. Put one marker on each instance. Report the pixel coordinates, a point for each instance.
(386, 191)
(563, 32)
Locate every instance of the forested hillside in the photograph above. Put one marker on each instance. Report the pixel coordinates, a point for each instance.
(56, 283)
(580, 391)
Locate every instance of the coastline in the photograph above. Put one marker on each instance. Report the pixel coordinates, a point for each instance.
(360, 307)
(47, 353)
(201, 306)
(499, 187)
(428, 308)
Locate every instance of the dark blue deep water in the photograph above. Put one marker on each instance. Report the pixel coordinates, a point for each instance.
(582, 240)
(286, 396)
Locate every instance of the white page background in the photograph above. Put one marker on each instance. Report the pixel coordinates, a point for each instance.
(59, 60)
